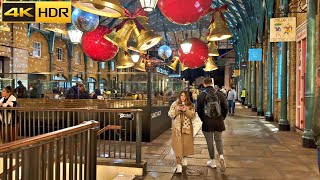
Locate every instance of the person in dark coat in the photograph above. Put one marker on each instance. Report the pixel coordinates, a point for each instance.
(213, 126)
(77, 92)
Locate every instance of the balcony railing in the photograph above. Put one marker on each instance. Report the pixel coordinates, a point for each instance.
(69, 153)
(119, 136)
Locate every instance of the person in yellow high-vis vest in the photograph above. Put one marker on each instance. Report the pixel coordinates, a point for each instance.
(243, 95)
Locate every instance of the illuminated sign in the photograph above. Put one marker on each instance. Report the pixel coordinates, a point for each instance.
(36, 12)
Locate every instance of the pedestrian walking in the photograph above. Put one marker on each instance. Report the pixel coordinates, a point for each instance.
(243, 96)
(212, 110)
(231, 97)
(182, 111)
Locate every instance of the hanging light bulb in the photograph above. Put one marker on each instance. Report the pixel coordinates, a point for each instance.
(148, 5)
(74, 34)
(186, 46)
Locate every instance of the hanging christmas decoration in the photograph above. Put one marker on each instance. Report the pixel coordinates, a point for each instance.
(210, 65)
(197, 56)
(84, 21)
(218, 27)
(96, 46)
(141, 66)
(213, 49)
(124, 60)
(164, 52)
(174, 63)
(184, 12)
(136, 22)
(107, 8)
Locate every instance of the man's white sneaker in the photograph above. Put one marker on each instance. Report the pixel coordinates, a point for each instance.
(179, 169)
(222, 163)
(184, 161)
(212, 163)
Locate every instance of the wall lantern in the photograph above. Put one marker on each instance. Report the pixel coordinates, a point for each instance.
(75, 35)
(135, 57)
(186, 46)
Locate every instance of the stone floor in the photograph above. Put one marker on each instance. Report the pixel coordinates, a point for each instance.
(253, 149)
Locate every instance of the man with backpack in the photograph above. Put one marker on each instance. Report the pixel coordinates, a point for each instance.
(212, 110)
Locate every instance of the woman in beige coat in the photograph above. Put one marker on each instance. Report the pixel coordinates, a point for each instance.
(182, 111)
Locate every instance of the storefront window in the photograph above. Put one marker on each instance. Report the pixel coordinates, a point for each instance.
(91, 84)
(280, 70)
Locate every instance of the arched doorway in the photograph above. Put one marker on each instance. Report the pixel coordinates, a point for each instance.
(103, 84)
(75, 80)
(59, 81)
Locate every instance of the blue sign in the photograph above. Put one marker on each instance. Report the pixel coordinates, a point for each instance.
(255, 54)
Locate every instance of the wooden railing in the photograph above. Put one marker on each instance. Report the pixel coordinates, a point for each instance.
(22, 122)
(69, 153)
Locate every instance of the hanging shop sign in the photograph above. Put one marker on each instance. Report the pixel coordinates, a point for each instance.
(244, 65)
(255, 54)
(236, 73)
(283, 29)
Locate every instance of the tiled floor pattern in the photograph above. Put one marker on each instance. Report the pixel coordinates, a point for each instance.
(253, 148)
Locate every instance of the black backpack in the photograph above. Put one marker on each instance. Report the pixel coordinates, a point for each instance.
(212, 106)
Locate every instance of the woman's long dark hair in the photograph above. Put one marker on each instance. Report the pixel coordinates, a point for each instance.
(9, 89)
(188, 101)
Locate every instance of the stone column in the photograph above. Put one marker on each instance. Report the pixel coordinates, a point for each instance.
(249, 84)
(227, 77)
(307, 138)
(269, 113)
(253, 87)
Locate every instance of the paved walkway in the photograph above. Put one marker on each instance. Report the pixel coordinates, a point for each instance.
(253, 148)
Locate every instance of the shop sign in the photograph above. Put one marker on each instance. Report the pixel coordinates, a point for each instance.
(126, 116)
(244, 65)
(155, 114)
(255, 54)
(162, 71)
(236, 73)
(283, 29)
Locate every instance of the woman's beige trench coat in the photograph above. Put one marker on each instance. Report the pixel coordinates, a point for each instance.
(182, 145)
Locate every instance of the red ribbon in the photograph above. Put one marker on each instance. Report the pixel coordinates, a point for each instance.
(221, 9)
(139, 13)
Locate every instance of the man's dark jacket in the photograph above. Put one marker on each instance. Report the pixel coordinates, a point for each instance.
(214, 123)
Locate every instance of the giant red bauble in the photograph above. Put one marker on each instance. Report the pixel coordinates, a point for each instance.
(96, 46)
(184, 11)
(197, 56)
